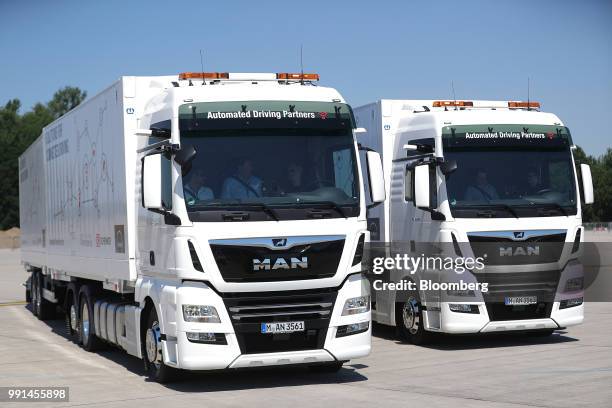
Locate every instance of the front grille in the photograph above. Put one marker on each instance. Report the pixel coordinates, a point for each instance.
(542, 284)
(499, 250)
(244, 263)
(249, 311)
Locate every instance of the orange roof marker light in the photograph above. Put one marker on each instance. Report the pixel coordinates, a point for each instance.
(203, 75)
(297, 77)
(520, 104)
(441, 104)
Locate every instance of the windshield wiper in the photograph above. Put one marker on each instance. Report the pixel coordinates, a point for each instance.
(330, 204)
(493, 206)
(230, 206)
(549, 205)
(266, 209)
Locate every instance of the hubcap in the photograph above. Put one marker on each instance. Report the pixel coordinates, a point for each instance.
(411, 316)
(84, 322)
(73, 317)
(153, 344)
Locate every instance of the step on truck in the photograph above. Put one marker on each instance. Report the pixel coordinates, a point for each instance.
(203, 221)
(495, 180)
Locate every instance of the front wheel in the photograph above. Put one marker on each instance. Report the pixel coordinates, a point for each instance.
(154, 359)
(409, 320)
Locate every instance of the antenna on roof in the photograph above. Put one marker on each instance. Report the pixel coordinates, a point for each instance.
(528, 100)
(454, 96)
(202, 65)
(302, 63)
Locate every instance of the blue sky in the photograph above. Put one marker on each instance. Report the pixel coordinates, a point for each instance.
(366, 49)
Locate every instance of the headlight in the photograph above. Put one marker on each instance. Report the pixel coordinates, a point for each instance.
(356, 305)
(574, 284)
(200, 314)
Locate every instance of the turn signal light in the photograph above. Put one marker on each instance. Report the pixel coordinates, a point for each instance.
(520, 104)
(203, 75)
(440, 104)
(297, 77)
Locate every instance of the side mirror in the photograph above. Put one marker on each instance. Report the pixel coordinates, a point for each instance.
(156, 182)
(587, 184)
(376, 177)
(185, 155)
(448, 166)
(421, 186)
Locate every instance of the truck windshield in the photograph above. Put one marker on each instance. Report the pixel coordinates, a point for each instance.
(510, 171)
(278, 160)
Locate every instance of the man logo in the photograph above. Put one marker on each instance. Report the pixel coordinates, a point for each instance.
(520, 251)
(279, 242)
(280, 263)
(519, 234)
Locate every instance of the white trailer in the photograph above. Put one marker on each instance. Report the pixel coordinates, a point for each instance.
(490, 179)
(203, 221)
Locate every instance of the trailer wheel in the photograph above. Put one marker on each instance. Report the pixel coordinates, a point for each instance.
(88, 338)
(152, 351)
(41, 307)
(409, 320)
(71, 314)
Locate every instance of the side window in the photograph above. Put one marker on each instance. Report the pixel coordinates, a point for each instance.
(166, 178)
(343, 173)
(409, 185)
(433, 185)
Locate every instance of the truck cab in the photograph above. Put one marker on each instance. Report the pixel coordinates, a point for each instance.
(225, 227)
(491, 181)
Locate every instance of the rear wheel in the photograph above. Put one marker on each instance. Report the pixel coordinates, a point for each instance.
(154, 359)
(89, 340)
(71, 315)
(409, 320)
(41, 307)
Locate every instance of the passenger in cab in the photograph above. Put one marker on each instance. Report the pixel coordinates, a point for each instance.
(195, 189)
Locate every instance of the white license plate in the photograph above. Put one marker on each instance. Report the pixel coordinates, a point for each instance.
(282, 327)
(520, 300)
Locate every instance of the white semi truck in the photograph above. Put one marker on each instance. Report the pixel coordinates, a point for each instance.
(494, 180)
(203, 221)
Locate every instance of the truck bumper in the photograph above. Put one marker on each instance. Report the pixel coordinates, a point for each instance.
(453, 322)
(180, 352)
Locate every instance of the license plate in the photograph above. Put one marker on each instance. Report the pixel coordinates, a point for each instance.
(520, 300)
(282, 327)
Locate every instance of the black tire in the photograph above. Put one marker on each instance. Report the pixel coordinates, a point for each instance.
(41, 307)
(88, 339)
(28, 291)
(71, 313)
(152, 351)
(409, 320)
(326, 368)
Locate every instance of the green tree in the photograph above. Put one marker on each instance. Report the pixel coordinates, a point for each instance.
(17, 132)
(64, 100)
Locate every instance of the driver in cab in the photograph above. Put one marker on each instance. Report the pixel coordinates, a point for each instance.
(242, 184)
(481, 190)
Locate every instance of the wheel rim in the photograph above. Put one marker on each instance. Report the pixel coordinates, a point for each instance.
(153, 344)
(84, 322)
(73, 317)
(411, 315)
